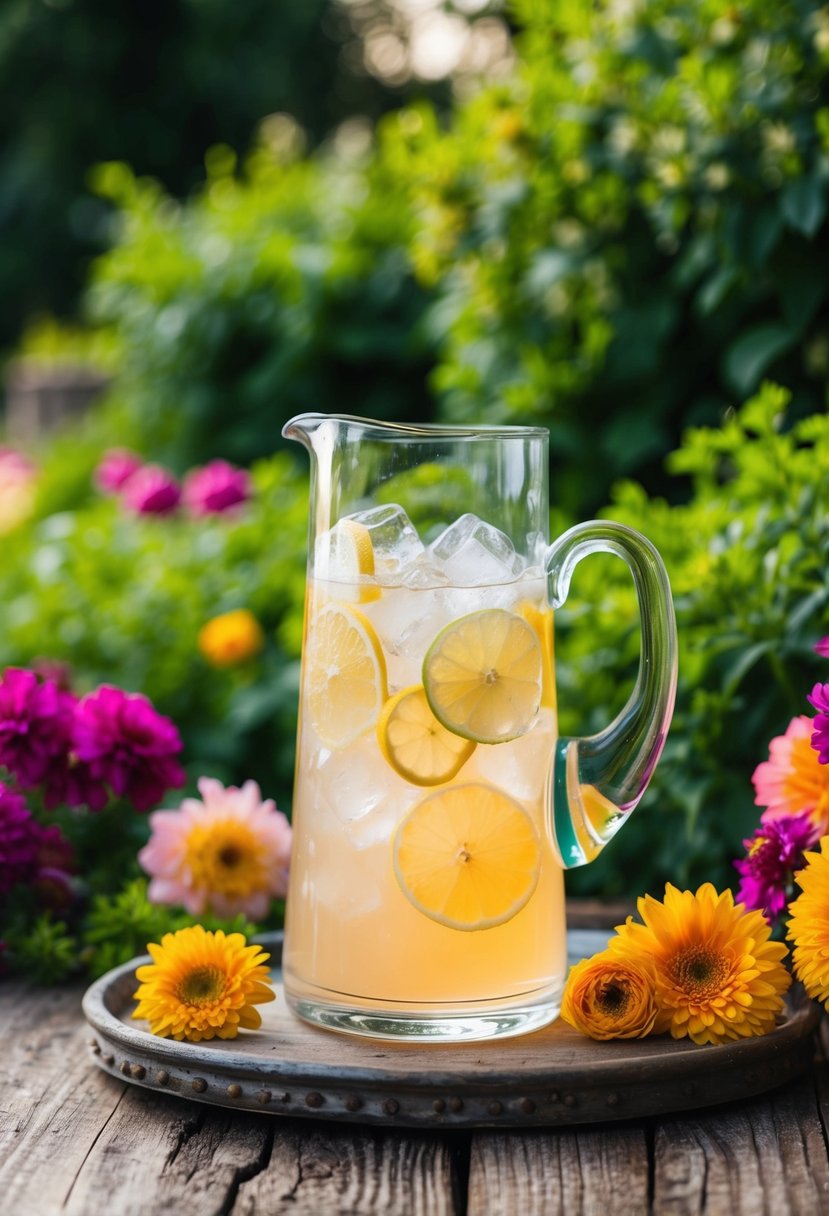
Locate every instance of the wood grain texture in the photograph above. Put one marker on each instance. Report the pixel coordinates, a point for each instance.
(356, 1173)
(53, 1105)
(765, 1158)
(594, 1171)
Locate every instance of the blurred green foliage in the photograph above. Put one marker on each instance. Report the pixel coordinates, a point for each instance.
(155, 83)
(284, 290)
(619, 240)
(627, 235)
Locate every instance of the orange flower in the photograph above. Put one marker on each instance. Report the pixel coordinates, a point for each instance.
(231, 638)
(607, 997)
(717, 975)
(201, 985)
(793, 781)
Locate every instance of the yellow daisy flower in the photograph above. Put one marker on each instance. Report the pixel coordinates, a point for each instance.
(233, 637)
(607, 997)
(809, 924)
(201, 985)
(717, 975)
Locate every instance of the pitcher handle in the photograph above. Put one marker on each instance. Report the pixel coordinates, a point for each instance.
(597, 781)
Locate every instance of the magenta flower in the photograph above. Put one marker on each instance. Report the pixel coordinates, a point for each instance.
(115, 469)
(35, 725)
(19, 840)
(126, 744)
(819, 697)
(152, 490)
(217, 487)
(822, 648)
(774, 854)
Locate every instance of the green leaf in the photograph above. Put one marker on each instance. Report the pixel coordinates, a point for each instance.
(753, 352)
(803, 203)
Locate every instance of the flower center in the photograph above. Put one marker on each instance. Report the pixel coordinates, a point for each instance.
(613, 1000)
(230, 856)
(200, 986)
(700, 971)
(226, 857)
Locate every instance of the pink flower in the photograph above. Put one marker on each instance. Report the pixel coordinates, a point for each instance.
(127, 745)
(792, 781)
(115, 469)
(152, 490)
(822, 648)
(217, 487)
(35, 723)
(229, 852)
(774, 854)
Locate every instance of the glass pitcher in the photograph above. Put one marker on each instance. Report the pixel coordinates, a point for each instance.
(435, 806)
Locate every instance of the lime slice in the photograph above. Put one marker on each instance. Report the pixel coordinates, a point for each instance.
(482, 676)
(346, 676)
(415, 744)
(467, 857)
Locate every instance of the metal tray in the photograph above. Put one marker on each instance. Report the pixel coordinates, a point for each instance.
(553, 1076)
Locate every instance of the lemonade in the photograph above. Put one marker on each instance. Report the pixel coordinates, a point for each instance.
(424, 883)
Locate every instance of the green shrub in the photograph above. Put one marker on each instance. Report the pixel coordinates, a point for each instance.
(283, 291)
(619, 240)
(627, 235)
(155, 83)
(748, 558)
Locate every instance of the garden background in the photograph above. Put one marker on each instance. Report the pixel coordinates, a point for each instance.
(609, 219)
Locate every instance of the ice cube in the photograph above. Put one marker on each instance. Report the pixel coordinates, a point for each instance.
(394, 539)
(422, 573)
(520, 768)
(352, 782)
(475, 554)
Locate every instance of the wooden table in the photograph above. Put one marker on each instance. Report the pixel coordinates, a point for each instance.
(75, 1141)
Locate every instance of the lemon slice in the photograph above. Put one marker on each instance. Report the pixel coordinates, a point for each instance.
(415, 744)
(482, 676)
(344, 558)
(541, 620)
(467, 857)
(346, 675)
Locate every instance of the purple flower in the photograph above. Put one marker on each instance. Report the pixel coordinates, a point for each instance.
(18, 840)
(217, 487)
(822, 648)
(152, 490)
(127, 745)
(35, 724)
(773, 855)
(819, 697)
(115, 469)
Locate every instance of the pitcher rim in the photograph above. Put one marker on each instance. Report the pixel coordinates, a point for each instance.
(420, 430)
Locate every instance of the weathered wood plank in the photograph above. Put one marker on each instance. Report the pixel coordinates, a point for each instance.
(765, 1158)
(53, 1103)
(591, 1171)
(159, 1155)
(353, 1172)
